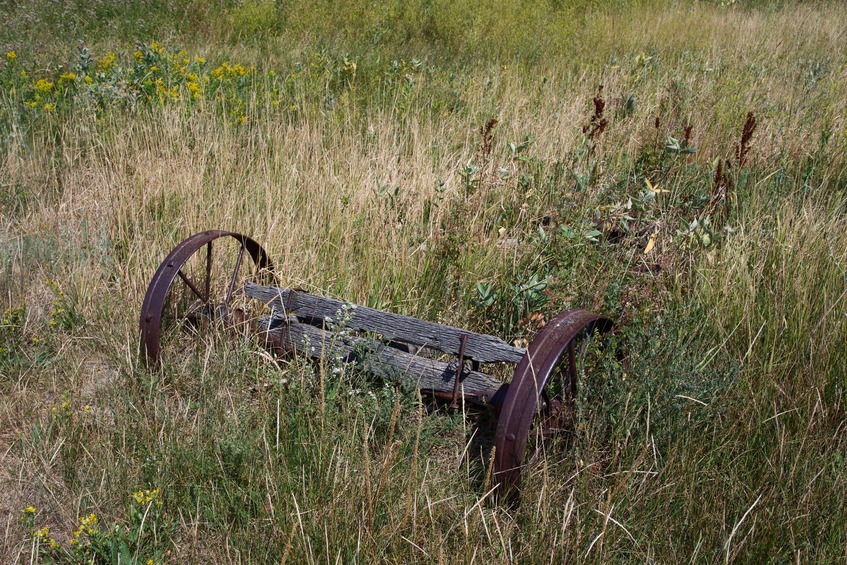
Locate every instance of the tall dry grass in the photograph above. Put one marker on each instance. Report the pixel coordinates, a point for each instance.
(720, 437)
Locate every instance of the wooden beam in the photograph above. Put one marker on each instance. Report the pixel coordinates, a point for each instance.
(375, 357)
(480, 347)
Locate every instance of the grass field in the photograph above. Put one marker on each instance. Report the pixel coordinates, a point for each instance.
(677, 165)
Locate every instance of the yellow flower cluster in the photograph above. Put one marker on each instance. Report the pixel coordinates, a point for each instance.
(194, 87)
(106, 62)
(147, 496)
(43, 536)
(65, 408)
(154, 75)
(44, 86)
(11, 56)
(227, 70)
(165, 92)
(87, 525)
(28, 516)
(55, 313)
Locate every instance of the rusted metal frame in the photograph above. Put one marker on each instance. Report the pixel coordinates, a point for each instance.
(492, 398)
(460, 368)
(231, 286)
(193, 287)
(208, 271)
(517, 402)
(572, 376)
(532, 374)
(157, 292)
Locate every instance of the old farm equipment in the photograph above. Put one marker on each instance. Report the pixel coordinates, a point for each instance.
(220, 277)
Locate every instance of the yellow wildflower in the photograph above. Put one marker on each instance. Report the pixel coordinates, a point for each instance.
(194, 89)
(138, 55)
(11, 55)
(43, 535)
(241, 119)
(89, 80)
(24, 74)
(67, 77)
(87, 524)
(49, 108)
(43, 85)
(30, 510)
(106, 62)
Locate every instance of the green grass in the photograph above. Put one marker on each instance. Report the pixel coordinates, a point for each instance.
(347, 140)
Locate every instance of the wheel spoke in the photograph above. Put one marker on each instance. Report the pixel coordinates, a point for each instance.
(190, 285)
(234, 274)
(208, 272)
(571, 372)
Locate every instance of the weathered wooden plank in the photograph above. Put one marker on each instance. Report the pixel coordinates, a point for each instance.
(376, 357)
(480, 347)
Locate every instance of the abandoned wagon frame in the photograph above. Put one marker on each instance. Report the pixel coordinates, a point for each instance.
(194, 285)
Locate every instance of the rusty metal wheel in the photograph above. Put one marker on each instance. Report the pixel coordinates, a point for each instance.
(541, 394)
(199, 284)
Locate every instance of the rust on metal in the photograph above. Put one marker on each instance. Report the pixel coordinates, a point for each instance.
(492, 398)
(460, 368)
(532, 374)
(518, 403)
(171, 267)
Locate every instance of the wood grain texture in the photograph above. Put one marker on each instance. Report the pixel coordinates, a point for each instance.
(376, 357)
(480, 347)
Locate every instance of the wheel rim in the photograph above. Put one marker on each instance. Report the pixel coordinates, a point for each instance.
(525, 394)
(199, 280)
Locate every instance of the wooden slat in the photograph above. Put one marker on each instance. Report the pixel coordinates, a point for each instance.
(376, 357)
(480, 347)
